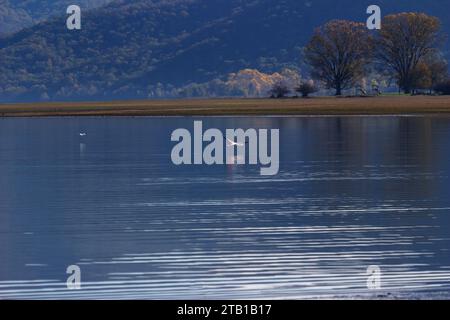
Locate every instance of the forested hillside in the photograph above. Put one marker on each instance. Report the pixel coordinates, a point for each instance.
(18, 14)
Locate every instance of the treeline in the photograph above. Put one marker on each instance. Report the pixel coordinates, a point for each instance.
(404, 55)
(405, 51)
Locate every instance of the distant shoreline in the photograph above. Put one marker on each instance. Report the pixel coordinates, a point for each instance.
(386, 105)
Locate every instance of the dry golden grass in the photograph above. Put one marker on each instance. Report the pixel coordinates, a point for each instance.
(222, 107)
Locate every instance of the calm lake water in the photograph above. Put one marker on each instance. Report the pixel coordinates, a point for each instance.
(351, 192)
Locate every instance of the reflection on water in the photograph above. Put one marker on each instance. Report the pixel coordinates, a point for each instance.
(351, 192)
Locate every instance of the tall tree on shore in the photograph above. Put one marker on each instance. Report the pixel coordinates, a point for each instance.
(339, 53)
(403, 43)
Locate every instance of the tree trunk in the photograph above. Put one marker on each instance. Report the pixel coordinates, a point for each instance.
(338, 90)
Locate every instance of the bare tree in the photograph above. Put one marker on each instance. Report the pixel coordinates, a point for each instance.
(279, 90)
(338, 54)
(404, 41)
(306, 88)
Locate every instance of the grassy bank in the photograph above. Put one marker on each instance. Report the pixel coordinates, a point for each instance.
(222, 107)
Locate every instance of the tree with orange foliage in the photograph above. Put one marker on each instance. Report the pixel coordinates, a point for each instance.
(339, 53)
(404, 42)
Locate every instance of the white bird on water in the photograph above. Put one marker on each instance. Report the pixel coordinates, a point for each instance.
(82, 134)
(232, 143)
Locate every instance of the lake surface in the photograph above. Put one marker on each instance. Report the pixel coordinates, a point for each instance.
(351, 192)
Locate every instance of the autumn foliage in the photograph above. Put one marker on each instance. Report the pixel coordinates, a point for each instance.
(403, 45)
(339, 53)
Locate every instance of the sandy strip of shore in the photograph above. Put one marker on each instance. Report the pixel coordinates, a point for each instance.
(235, 107)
